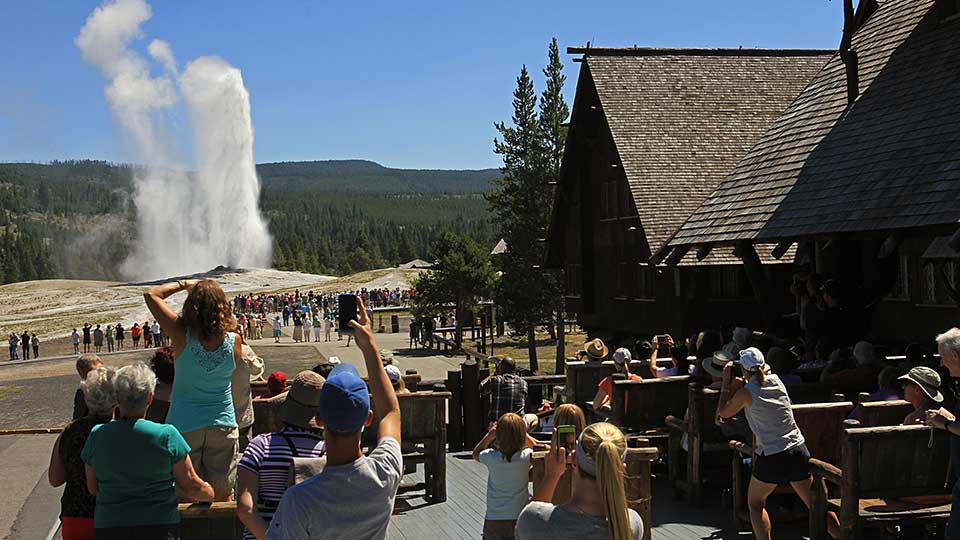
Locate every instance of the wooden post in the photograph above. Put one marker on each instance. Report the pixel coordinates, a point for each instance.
(561, 343)
(762, 290)
(850, 486)
(484, 405)
(455, 411)
(818, 513)
(473, 424)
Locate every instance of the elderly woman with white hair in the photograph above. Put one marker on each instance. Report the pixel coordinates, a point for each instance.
(948, 344)
(66, 467)
(132, 465)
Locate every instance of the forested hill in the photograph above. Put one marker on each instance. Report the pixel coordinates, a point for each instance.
(336, 175)
(74, 219)
(358, 175)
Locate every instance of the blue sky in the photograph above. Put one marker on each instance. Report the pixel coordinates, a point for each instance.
(408, 84)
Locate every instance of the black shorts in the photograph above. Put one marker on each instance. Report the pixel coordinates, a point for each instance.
(782, 468)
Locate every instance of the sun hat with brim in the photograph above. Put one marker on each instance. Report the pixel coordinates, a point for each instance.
(621, 355)
(927, 379)
(714, 364)
(596, 349)
(302, 404)
(344, 400)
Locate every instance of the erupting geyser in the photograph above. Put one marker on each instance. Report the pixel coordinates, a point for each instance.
(188, 221)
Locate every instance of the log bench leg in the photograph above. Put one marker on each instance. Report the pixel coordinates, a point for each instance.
(694, 470)
(675, 459)
(818, 512)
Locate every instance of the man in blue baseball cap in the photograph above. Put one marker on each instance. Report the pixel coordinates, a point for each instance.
(353, 496)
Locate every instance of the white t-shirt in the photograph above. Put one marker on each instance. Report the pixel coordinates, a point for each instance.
(345, 501)
(507, 481)
(155, 329)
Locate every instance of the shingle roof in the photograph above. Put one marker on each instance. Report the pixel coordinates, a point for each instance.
(681, 119)
(890, 161)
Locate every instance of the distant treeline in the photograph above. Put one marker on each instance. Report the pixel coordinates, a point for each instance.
(74, 219)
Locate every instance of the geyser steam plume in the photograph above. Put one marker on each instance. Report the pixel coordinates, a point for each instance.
(188, 221)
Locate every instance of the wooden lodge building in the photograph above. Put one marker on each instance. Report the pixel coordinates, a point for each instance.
(653, 132)
(861, 173)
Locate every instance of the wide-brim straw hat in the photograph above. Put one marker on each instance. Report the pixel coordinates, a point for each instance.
(302, 404)
(927, 379)
(714, 364)
(596, 349)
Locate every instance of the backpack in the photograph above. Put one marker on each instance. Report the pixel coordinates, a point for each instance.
(302, 468)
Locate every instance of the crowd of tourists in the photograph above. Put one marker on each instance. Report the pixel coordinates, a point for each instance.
(144, 437)
(187, 418)
(98, 338)
(24, 343)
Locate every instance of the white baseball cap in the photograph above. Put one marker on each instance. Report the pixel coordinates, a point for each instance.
(622, 355)
(751, 359)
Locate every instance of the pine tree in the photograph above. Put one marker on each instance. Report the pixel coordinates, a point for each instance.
(553, 115)
(518, 203)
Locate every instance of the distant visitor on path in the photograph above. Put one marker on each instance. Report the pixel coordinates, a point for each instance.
(75, 339)
(206, 352)
(36, 346)
(110, 334)
(97, 339)
(25, 344)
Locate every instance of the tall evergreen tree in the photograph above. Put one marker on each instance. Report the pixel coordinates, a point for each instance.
(519, 205)
(553, 116)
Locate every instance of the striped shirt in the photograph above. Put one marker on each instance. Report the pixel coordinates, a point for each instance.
(269, 457)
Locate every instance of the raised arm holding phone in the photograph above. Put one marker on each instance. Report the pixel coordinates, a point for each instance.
(353, 496)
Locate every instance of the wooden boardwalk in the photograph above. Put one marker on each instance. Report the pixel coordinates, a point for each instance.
(461, 517)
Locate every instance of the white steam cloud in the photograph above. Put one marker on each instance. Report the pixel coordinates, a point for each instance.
(188, 222)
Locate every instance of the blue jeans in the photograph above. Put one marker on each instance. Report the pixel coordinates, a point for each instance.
(952, 532)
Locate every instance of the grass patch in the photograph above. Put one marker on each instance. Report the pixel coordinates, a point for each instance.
(7, 392)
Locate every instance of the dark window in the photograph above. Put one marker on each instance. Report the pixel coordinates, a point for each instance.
(727, 282)
(901, 287)
(938, 280)
(646, 278)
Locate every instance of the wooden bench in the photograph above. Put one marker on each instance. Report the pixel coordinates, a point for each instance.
(820, 424)
(889, 474)
(637, 484)
(884, 413)
(686, 467)
(205, 521)
(813, 393)
(582, 378)
(423, 433)
(423, 421)
(641, 407)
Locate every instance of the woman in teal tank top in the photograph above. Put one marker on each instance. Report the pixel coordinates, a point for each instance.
(206, 352)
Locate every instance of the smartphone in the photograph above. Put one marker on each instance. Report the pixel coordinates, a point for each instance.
(567, 437)
(347, 310)
(663, 338)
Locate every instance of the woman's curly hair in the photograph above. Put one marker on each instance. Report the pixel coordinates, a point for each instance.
(206, 312)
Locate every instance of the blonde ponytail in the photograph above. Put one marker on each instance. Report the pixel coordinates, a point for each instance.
(605, 444)
(610, 479)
